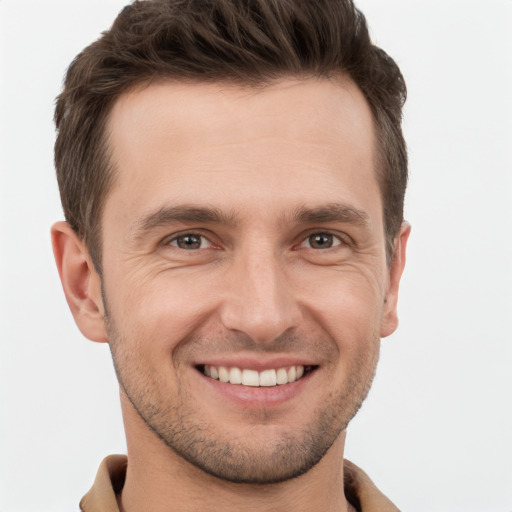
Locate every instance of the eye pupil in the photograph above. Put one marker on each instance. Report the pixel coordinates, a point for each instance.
(321, 241)
(188, 242)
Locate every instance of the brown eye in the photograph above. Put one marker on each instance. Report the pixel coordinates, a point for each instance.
(189, 241)
(321, 241)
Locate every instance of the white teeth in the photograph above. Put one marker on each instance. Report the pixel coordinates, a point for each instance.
(282, 376)
(250, 378)
(266, 378)
(235, 376)
(223, 374)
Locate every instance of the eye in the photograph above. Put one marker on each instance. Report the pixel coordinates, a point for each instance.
(321, 241)
(190, 241)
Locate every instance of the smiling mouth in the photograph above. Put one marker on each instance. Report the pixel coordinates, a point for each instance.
(254, 378)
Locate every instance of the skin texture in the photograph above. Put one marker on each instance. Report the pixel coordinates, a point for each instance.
(250, 176)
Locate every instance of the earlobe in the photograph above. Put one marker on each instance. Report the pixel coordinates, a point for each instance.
(389, 321)
(80, 281)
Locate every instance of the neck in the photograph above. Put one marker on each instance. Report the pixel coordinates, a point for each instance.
(159, 480)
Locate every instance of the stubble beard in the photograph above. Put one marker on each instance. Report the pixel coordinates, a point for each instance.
(239, 460)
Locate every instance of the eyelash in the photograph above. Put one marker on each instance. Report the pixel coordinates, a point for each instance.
(336, 241)
(199, 236)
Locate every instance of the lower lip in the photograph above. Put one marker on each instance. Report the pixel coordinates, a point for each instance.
(261, 397)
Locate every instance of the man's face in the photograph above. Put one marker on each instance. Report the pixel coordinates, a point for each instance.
(244, 237)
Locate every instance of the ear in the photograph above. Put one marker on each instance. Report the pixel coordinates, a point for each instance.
(389, 321)
(80, 281)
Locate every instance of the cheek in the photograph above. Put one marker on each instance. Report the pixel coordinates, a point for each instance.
(161, 311)
(348, 307)
(348, 303)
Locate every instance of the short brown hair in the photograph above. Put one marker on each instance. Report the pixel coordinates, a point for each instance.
(246, 42)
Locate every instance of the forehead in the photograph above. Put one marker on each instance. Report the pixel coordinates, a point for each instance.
(228, 146)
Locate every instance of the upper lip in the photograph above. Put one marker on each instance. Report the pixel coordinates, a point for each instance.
(257, 363)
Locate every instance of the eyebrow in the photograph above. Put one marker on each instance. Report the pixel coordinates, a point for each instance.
(183, 214)
(186, 214)
(332, 212)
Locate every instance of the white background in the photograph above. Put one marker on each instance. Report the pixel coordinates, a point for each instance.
(436, 432)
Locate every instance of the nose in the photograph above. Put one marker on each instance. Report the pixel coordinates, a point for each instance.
(259, 299)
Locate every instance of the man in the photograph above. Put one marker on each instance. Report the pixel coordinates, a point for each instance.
(232, 175)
